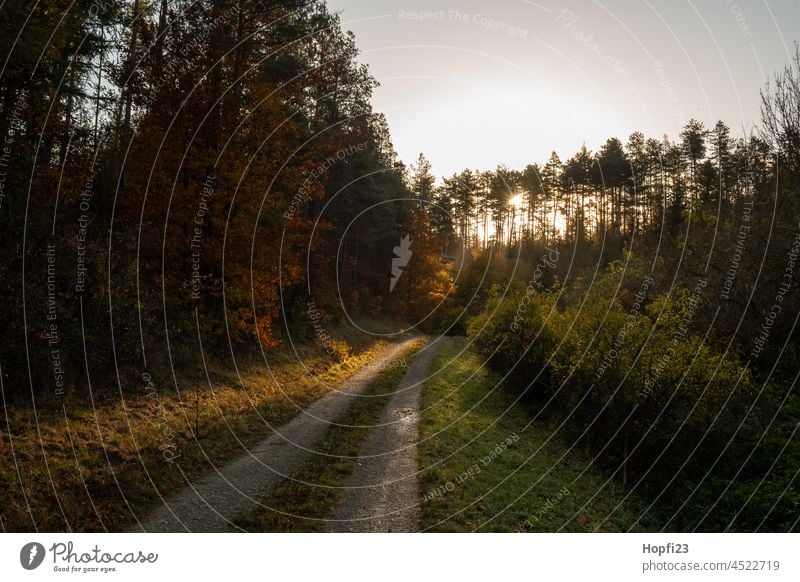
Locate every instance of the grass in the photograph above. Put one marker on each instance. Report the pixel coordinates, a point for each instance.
(78, 466)
(104, 464)
(485, 469)
(303, 502)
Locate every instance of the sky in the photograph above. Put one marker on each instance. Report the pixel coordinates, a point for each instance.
(477, 84)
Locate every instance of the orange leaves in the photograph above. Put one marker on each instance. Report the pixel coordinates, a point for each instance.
(426, 279)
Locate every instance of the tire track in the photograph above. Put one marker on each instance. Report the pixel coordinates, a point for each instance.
(210, 503)
(383, 494)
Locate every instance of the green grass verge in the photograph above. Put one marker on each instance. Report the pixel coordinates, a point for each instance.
(483, 470)
(303, 502)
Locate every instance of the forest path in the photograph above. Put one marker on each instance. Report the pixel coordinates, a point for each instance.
(383, 494)
(210, 503)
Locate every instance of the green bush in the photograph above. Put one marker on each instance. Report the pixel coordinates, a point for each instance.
(619, 365)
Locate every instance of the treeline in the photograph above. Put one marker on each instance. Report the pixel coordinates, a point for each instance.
(656, 328)
(190, 173)
(708, 206)
(613, 194)
(626, 188)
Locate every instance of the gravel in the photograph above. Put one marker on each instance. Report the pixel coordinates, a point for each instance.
(383, 494)
(211, 502)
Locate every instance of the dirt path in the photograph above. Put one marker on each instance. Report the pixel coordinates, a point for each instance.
(383, 493)
(208, 505)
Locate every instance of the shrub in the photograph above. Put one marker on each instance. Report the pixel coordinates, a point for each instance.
(661, 406)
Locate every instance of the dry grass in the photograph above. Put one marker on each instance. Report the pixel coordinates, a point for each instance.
(84, 466)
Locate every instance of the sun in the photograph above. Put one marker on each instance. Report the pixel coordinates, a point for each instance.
(516, 201)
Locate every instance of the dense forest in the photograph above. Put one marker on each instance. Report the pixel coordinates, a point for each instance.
(191, 173)
(197, 178)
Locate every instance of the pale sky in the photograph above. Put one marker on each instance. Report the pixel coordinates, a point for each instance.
(475, 84)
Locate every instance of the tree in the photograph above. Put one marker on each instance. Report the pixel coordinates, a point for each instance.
(780, 112)
(461, 189)
(693, 145)
(721, 153)
(533, 190)
(551, 180)
(612, 171)
(577, 176)
(422, 180)
(419, 293)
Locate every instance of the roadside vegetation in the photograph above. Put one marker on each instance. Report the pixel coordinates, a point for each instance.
(670, 413)
(486, 467)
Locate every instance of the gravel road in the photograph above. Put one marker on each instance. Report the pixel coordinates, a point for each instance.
(209, 504)
(383, 493)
